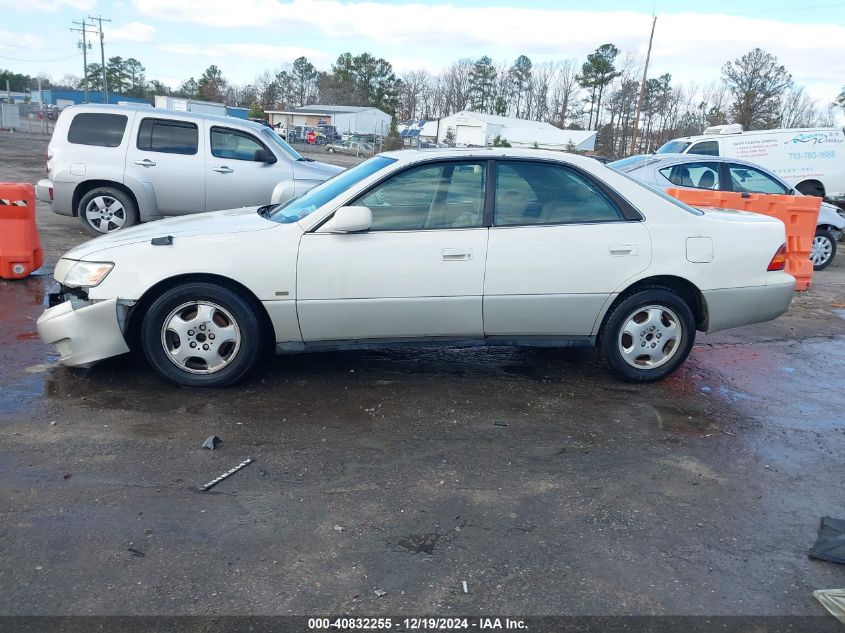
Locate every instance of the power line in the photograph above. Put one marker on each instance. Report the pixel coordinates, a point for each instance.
(790, 9)
(38, 61)
(101, 19)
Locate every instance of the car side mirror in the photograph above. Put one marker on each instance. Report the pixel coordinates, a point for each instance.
(264, 156)
(351, 220)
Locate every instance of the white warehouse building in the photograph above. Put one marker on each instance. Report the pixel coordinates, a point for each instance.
(351, 119)
(478, 130)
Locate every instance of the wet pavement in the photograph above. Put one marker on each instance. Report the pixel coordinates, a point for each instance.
(533, 475)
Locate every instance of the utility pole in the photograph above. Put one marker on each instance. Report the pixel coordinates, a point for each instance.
(100, 19)
(642, 88)
(86, 46)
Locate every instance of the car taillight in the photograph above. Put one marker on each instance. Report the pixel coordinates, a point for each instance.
(779, 260)
(51, 194)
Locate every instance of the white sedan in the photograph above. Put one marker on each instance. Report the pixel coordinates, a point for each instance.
(469, 247)
(696, 171)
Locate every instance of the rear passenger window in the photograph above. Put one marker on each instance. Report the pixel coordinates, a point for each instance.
(96, 128)
(697, 175)
(543, 193)
(167, 136)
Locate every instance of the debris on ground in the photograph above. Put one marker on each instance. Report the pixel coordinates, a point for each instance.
(228, 473)
(67, 476)
(212, 442)
(833, 600)
(466, 589)
(830, 542)
(381, 593)
(338, 528)
(136, 552)
(500, 423)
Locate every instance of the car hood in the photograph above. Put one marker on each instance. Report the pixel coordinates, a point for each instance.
(311, 170)
(215, 222)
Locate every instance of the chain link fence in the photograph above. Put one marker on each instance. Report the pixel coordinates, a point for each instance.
(25, 117)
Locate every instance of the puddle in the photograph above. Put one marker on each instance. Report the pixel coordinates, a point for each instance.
(420, 543)
(680, 419)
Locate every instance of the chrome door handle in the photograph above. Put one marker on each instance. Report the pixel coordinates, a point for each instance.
(623, 249)
(145, 163)
(455, 254)
(223, 170)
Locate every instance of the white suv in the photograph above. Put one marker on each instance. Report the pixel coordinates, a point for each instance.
(115, 166)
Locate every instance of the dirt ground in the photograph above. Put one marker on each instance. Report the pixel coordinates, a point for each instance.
(533, 475)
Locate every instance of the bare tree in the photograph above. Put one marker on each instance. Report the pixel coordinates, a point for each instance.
(412, 88)
(797, 109)
(566, 95)
(457, 84)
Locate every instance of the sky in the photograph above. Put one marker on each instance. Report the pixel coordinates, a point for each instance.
(178, 39)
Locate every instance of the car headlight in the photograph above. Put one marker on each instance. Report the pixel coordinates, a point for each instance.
(87, 274)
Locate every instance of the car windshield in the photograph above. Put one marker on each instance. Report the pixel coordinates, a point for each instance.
(310, 201)
(673, 147)
(633, 162)
(277, 140)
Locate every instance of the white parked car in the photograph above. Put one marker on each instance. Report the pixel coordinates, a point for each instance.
(690, 171)
(810, 159)
(116, 166)
(482, 246)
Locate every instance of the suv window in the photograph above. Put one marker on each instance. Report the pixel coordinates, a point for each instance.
(96, 128)
(697, 175)
(168, 136)
(447, 195)
(543, 193)
(229, 143)
(708, 148)
(750, 180)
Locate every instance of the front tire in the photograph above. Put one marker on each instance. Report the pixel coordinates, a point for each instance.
(201, 335)
(106, 210)
(648, 335)
(824, 249)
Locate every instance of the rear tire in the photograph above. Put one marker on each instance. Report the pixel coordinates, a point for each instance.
(201, 335)
(106, 210)
(824, 249)
(648, 335)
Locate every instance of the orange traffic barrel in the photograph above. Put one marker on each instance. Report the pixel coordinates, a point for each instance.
(799, 214)
(20, 248)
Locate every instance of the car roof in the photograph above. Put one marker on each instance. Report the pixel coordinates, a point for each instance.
(413, 155)
(698, 158)
(228, 120)
(713, 137)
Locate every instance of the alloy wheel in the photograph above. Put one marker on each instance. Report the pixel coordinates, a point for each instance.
(650, 337)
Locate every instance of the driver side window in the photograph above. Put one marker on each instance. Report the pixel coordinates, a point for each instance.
(447, 195)
(234, 144)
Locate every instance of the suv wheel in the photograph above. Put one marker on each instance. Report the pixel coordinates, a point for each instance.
(648, 335)
(106, 210)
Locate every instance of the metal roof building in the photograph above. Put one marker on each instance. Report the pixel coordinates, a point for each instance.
(475, 129)
(352, 119)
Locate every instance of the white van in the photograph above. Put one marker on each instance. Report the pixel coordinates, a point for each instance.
(810, 159)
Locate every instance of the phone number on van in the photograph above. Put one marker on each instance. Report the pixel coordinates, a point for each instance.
(810, 155)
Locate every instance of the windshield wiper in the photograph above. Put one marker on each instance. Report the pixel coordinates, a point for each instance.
(264, 211)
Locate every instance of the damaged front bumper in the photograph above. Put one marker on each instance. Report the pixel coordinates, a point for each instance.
(83, 332)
